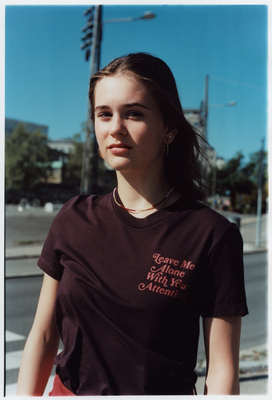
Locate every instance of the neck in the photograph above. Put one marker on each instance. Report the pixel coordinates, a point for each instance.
(141, 194)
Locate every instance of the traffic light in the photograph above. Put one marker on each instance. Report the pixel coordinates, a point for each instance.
(88, 30)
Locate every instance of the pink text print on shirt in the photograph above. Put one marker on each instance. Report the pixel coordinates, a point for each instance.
(166, 277)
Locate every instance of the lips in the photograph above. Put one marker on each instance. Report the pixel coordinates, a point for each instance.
(119, 146)
(119, 149)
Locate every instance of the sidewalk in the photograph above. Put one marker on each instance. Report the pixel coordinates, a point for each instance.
(248, 231)
(23, 251)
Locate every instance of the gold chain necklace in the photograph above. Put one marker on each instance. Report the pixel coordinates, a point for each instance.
(139, 211)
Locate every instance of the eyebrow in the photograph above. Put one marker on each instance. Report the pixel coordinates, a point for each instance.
(136, 104)
(102, 107)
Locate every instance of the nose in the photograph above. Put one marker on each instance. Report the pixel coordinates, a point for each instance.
(117, 126)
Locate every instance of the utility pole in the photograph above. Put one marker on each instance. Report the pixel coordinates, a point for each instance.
(204, 115)
(259, 197)
(205, 108)
(92, 40)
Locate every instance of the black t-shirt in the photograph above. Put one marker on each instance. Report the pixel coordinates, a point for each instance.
(132, 291)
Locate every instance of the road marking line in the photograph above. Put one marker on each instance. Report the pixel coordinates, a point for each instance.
(13, 359)
(11, 389)
(13, 337)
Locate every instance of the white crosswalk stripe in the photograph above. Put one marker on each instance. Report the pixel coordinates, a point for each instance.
(13, 337)
(13, 359)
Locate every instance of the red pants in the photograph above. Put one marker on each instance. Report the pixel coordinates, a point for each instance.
(59, 389)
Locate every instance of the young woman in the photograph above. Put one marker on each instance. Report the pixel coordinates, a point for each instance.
(128, 274)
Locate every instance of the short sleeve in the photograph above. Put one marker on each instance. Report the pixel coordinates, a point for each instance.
(223, 288)
(49, 260)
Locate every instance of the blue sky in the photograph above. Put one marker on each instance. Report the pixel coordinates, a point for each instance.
(46, 78)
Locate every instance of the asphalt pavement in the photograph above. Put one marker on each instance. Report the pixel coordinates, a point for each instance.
(253, 362)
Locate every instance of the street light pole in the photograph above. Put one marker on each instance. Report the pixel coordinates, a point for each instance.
(202, 121)
(205, 108)
(95, 63)
(259, 197)
(90, 148)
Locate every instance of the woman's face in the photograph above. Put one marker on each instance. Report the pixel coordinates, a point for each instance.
(129, 127)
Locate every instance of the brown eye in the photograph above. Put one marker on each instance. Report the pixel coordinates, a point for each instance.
(135, 114)
(104, 114)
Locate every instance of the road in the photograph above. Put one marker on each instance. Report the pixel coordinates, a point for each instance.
(22, 296)
(254, 325)
(30, 226)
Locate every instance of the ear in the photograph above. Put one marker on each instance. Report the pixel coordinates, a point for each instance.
(170, 135)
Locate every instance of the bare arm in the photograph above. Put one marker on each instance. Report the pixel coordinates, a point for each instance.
(41, 345)
(222, 342)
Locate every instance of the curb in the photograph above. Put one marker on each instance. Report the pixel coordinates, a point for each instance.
(33, 252)
(15, 254)
(25, 275)
(255, 251)
(245, 367)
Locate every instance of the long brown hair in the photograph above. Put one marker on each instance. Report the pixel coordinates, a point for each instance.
(182, 165)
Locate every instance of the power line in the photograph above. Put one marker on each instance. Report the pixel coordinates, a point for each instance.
(231, 82)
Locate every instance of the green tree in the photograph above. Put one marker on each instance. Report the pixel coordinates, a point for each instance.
(239, 180)
(72, 169)
(27, 158)
(252, 169)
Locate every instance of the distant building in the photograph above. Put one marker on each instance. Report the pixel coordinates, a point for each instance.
(59, 158)
(10, 125)
(62, 145)
(60, 151)
(194, 117)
